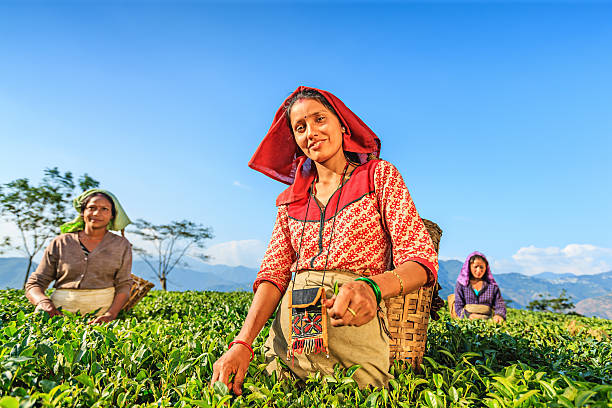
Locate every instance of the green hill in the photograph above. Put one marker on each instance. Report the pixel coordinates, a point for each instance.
(160, 354)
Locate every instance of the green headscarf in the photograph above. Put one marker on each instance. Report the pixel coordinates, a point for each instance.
(119, 222)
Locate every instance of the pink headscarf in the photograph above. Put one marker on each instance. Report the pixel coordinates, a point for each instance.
(279, 157)
(464, 275)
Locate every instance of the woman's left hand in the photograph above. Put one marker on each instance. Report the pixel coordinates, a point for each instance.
(354, 305)
(498, 319)
(105, 318)
(111, 314)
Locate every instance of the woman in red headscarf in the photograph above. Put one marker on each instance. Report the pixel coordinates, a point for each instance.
(347, 235)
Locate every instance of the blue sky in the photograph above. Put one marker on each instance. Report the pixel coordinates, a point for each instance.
(498, 115)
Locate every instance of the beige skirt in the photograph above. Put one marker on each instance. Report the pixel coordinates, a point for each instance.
(367, 345)
(84, 300)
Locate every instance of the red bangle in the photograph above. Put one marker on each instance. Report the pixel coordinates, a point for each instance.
(244, 343)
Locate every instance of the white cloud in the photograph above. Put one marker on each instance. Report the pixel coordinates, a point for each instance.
(448, 258)
(579, 259)
(240, 185)
(247, 252)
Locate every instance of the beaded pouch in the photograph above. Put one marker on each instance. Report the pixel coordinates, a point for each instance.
(308, 322)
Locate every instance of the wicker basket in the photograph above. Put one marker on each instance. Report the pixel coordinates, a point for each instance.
(408, 317)
(450, 300)
(140, 288)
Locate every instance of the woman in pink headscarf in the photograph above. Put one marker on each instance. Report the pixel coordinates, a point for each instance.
(477, 295)
(347, 236)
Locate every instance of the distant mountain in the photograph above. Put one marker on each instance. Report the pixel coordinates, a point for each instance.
(591, 292)
(522, 289)
(208, 277)
(600, 306)
(220, 278)
(233, 273)
(12, 272)
(551, 276)
(447, 276)
(580, 286)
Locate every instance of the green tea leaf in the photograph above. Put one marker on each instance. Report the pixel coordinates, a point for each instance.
(68, 352)
(372, 399)
(524, 397)
(198, 403)
(47, 385)
(564, 402)
(220, 388)
(84, 379)
(432, 400)
(453, 393)
(583, 398)
(448, 354)
(492, 403)
(547, 388)
(9, 402)
(438, 380)
(352, 370)
(570, 393)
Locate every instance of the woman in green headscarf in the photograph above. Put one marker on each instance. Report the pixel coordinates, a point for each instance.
(91, 266)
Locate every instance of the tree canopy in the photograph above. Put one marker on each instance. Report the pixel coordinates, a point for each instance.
(170, 242)
(558, 305)
(38, 210)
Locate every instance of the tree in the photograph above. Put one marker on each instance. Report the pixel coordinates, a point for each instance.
(171, 242)
(557, 305)
(38, 211)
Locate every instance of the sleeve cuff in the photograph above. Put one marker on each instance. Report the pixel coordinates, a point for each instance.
(35, 284)
(258, 281)
(432, 272)
(124, 288)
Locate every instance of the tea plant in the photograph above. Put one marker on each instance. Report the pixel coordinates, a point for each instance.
(161, 353)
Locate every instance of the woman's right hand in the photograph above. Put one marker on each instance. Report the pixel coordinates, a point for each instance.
(232, 367)
(354, 305)
(234, 362)
(48, 306)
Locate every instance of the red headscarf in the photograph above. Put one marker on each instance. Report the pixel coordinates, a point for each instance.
(279, 157)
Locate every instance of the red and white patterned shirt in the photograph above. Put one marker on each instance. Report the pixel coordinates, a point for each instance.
(377, 225)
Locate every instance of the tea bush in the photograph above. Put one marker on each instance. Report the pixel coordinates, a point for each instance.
(161, 353)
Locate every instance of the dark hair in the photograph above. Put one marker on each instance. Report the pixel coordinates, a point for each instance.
(308, 94)
(98, 194)
(482, 258)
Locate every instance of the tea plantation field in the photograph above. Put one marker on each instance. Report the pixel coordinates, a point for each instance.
(161, 354)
